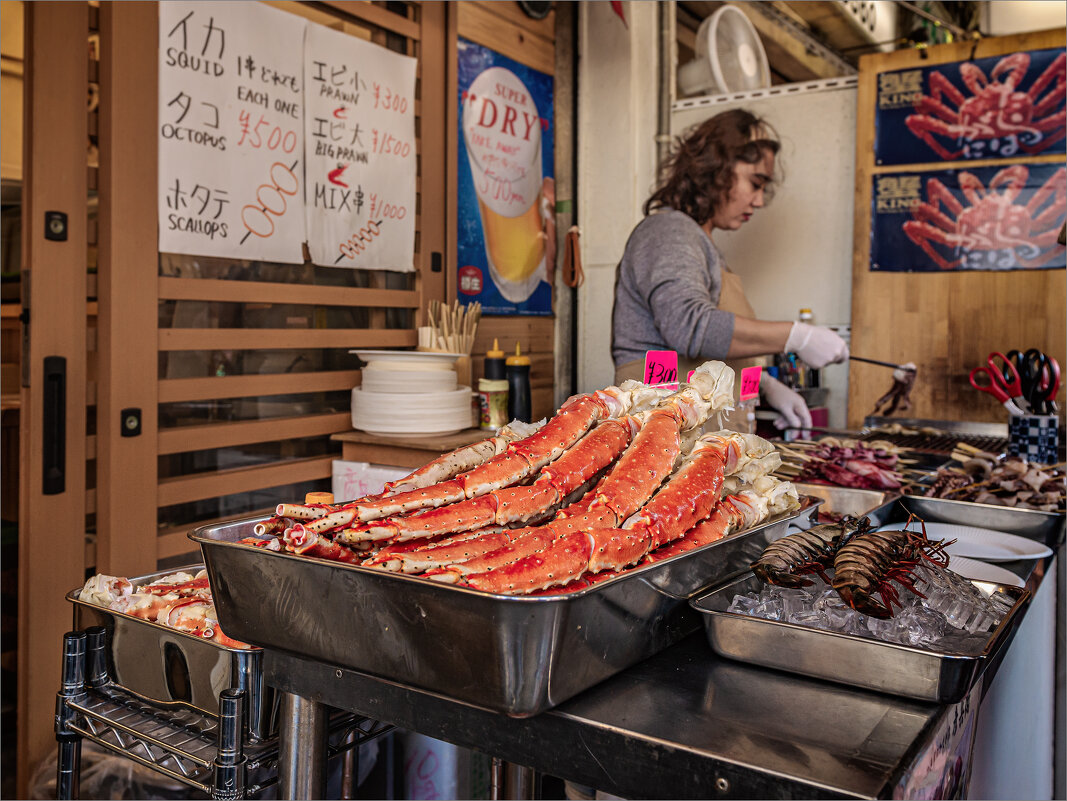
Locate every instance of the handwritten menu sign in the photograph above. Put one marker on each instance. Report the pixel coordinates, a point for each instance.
(231, 131)
(359, 124)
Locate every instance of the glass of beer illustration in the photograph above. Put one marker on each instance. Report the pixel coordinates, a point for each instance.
(502, 131)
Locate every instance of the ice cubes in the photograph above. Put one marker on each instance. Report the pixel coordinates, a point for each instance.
(955, 616)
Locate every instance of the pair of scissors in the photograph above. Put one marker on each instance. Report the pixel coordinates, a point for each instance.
(1040, 376)
(1007, 390)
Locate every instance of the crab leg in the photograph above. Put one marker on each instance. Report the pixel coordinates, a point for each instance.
(451, 464)
(416, 556)
(195, 587)
(592, 453)
(721, 523)
(611, 549)
(301, 541)
(693, 491)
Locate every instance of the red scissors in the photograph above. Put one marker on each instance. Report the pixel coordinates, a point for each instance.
(1004, 383)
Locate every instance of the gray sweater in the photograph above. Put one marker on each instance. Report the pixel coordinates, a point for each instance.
(667, 291)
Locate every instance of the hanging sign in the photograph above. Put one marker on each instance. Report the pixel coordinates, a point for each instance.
(989, 108)
(983, 218)
(360, 131)
(506, 200)
(231, 141)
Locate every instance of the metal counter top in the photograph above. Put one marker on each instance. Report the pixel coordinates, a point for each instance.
(683, 724)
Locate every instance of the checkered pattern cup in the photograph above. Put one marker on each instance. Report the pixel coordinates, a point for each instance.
(1035, 437)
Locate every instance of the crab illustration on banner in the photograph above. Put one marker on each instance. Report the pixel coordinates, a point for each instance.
(990, 108)
(986, 218)
(506, 199)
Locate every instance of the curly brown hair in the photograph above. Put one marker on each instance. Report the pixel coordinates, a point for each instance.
(699, 174)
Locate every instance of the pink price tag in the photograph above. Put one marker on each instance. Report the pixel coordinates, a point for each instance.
(750, 382)
(661, 368)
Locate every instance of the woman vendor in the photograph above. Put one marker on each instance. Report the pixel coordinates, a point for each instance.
(673, 288)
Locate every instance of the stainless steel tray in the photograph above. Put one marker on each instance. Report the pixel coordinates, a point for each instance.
(168, 666)
(873, 504)
(857, 661)
(1045, 527)
(517, 655)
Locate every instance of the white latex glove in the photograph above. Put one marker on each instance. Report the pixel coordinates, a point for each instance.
(817, 346)
(792, 410)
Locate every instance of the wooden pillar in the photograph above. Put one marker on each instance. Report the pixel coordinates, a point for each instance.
(128, 290)
(52, 512)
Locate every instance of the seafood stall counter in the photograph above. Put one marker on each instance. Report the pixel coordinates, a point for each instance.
(686, 723)
(528, 597)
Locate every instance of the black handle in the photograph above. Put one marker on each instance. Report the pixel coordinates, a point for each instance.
(55, 425)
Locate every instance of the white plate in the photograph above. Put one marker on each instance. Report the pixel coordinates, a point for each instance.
(982, 571)
(981, 543)
(422, 358)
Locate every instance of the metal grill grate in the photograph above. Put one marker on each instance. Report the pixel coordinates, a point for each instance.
(942, 444)
(936, 436)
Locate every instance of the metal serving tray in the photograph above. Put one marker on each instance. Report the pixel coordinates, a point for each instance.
(873, 504)
(517, 655)
(857, 661)
(168, 666)
(1045, 527)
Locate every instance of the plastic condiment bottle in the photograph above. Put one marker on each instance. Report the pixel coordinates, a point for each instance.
(518, 372)
(493, 391)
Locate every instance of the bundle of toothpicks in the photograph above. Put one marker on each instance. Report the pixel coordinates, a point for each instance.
(451, 328)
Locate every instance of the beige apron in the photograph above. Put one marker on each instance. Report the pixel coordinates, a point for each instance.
(732, 299)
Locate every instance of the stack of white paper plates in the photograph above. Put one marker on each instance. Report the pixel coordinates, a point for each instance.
(383, 377)
(411, 414)
(410, 393)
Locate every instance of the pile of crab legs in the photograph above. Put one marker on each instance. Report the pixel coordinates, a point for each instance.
(865, 562)
(180, 601)
(616, 478)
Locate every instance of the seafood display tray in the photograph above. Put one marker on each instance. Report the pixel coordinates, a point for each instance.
(167, 666)
(510, 654)
(943, 678)
(1045, 527)
(874, 504)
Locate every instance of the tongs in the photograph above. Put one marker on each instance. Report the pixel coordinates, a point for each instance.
(883, 364)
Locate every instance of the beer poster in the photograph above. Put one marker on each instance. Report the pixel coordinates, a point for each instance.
(982, 218)
(506, 197)
(361, 161)
(989, 108)
(231, 131)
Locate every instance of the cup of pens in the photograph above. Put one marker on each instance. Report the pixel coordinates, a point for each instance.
(451, 329)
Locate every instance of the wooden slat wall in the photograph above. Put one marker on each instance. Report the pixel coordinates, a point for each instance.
(946, 323)
(504, 28)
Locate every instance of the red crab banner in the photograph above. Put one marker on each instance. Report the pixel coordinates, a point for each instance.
(986, 218)
(999, 107)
